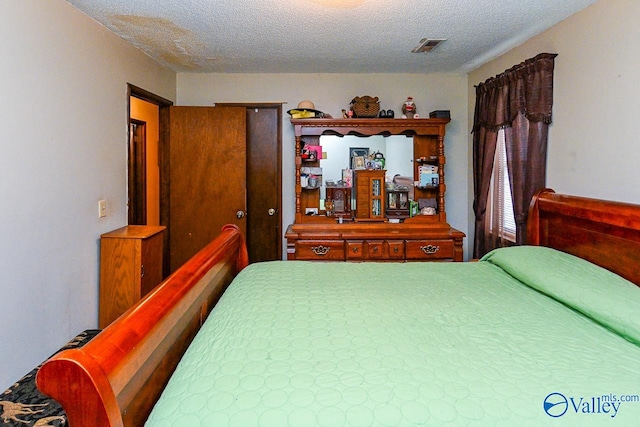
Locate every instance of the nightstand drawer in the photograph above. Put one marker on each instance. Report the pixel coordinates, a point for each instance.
(430, 249)
(330, 250)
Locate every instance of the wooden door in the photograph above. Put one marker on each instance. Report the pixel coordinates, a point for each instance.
(264, 182)
(207, 176)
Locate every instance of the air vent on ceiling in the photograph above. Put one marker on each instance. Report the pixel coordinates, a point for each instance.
(427, 45)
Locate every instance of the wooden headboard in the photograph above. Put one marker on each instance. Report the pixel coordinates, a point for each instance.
(117, 377)
(603, 232)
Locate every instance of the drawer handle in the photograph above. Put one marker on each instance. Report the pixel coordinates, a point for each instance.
(355, 249)
(320, 250)
(395, 250)
(430, 249)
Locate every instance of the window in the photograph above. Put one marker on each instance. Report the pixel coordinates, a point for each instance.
(502, 224)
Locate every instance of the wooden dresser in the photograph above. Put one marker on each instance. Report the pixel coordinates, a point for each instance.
(376, 228)
(373, 242)
(130, 267)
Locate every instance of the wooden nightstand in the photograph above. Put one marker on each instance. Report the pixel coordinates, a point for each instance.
(130, 267)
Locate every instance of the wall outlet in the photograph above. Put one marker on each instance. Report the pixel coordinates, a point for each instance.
(102, 208)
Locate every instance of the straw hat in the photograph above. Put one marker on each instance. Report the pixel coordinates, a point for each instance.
(305, 109)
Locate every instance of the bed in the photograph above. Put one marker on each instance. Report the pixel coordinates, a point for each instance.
(525, 336)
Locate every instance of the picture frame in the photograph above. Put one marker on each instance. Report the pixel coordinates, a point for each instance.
(317, 151)
(355, 152)
(359, 162)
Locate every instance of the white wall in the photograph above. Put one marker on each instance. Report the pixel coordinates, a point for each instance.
(333, 92)
(594, 149)
(63, 117)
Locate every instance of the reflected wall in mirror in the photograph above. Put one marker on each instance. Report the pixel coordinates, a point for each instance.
(397, 151)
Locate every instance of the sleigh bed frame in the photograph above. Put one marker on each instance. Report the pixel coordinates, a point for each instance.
(117, 377)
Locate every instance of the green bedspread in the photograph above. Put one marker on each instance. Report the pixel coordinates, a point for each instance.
(526, 336)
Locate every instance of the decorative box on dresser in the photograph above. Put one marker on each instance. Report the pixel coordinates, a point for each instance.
(130, 267)
(368, 235)
(341, 200)
(370, 198)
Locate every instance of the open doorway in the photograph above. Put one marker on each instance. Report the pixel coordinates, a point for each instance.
(148, 202)
(137, 172)
(144, 169)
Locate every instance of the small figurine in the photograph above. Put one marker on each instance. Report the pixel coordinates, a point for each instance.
(409, 108)
(328, 207)
(428, 210)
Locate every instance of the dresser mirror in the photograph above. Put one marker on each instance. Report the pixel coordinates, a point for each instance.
(405, 144)
(337, 151)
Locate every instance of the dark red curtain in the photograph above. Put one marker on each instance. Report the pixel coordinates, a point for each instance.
(520, 101)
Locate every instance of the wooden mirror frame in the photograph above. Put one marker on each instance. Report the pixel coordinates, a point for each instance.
(314, 128)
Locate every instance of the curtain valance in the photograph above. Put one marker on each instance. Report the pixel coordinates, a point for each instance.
(526, 88)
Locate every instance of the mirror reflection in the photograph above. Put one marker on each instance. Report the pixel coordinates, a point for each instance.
(337, 155)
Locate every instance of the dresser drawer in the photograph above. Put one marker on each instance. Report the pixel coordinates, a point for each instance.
(355, 250)
(374, 250)
(330, 250)
(396, 249)
(429, 249)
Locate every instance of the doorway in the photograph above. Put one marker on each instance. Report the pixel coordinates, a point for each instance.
(138, 171)
(160, 205)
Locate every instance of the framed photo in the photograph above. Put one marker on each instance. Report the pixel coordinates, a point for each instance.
(359, 162)
(316, 150)
(355, 152)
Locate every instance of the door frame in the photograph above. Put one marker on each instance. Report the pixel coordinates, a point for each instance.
(163, 156)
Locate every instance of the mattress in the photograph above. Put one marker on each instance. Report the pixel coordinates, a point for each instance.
(526, 336)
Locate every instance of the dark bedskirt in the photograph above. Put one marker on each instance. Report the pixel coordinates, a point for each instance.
(22, 404)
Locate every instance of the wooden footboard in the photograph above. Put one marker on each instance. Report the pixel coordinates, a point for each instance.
(603, 232)
(116, 378)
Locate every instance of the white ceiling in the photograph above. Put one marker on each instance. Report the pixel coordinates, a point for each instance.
(326, 36)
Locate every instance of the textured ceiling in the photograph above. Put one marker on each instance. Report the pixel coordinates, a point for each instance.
(326, 36)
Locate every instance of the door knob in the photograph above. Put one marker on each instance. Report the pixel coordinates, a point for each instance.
(272, 212)
(240, 214)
